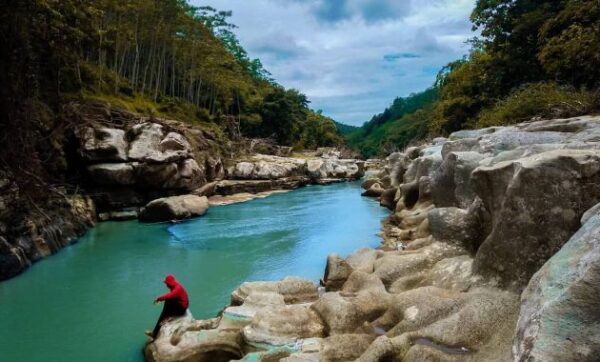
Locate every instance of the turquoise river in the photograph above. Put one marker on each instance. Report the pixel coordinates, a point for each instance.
(93, 300)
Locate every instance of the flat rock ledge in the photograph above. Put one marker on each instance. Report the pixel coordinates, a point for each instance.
(491, 254)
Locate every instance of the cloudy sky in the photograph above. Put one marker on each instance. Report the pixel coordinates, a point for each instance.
(352, 57)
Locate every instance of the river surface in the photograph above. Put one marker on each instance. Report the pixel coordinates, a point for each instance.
(92, 301)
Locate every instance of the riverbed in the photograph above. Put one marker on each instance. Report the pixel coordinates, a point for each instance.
(93, 300)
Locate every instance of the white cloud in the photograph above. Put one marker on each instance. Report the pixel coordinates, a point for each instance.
(352, 57)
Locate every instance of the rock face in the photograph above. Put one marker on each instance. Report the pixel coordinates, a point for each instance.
(103, 144)
(266, 167)
(42, 236)
(174, 208)
(559, 308)
(535, 205)
(151, 144)
(481, 259)
(153, 158)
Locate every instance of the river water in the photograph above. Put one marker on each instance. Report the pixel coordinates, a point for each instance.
(93, 300)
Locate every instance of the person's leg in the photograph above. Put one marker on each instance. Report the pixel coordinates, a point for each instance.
(170, 308)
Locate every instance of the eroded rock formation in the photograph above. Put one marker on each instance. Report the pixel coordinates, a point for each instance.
(481, 260)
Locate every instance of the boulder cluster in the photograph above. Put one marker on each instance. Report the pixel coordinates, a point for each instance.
(492, 253)
(131, 165)
(147, 155)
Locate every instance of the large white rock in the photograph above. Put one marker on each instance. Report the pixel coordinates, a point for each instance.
(151, 145)
(102, 144)
(174, 208)
(560, 306)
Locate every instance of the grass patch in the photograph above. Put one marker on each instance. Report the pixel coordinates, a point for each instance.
(546, 100)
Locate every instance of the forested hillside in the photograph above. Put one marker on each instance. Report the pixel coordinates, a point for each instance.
(156, 58)
(403, 121)
(533, 58)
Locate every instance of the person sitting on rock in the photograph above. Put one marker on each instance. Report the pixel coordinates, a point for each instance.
(176, 303)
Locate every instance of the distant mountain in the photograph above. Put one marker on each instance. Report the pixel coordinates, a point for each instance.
(345, 129)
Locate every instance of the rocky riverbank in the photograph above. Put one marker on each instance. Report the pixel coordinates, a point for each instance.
(492, 254)
(117, 165)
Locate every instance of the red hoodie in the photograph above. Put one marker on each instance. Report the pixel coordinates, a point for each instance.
(177, 292)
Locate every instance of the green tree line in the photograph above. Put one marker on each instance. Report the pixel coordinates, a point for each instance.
(532, 58)
(152, 56)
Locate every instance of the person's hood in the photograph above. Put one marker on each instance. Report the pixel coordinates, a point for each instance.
(170, 281)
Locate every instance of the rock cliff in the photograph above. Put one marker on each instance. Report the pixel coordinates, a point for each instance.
(491, 254)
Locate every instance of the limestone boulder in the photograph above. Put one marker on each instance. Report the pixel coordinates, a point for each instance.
(452, 273)
(282, 325)
(174, 142)
(243, 170)
(102, 144)
(454, 225)
(293, 290)
(174, 208)
(370, 182)
(360, 281)
(255, 302)
(155, 175)
(450, 184)
(424, 165)
(595, 210)
(400, 165)
(189, 176)
(337, 272)
(559, 318)
(150, 144)
(186, 339)
(362, 260)
(345, 347)
(418, 308)
(214, 169)
(388, 198)
(354, 169)
(535, 204)
(266, 167)
(391, 267)
(314, 168)
(374, 191)
(328, 152)
(339, 315)
(394, 266)
(113, 173)
(269, 170)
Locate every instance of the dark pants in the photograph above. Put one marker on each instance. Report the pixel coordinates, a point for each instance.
(171, 308)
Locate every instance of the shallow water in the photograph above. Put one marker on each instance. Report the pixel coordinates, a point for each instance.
(93, 300)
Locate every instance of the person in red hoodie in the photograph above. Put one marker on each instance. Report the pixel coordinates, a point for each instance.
(176, 303)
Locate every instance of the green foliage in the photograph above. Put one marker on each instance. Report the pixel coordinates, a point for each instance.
(570, 49)
(217, 22)
(468, 87)
(405, 121)
(344, 129)
(318, 131)
(401, 106)
(283, 111)
(544, 100)
(533, 58)
(522, 42)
